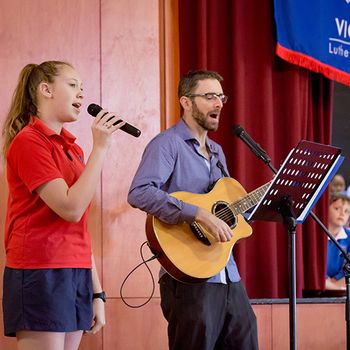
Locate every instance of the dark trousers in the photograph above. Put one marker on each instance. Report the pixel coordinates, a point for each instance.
(208, 316)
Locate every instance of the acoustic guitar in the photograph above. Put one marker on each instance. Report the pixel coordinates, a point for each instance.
(189, 253)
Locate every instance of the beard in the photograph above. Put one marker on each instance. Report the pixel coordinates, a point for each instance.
(202, 120)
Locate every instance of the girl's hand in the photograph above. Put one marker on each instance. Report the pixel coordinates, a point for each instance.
(104, 125)
(99, 318)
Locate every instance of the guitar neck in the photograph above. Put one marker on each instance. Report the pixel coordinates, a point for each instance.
(249, 201)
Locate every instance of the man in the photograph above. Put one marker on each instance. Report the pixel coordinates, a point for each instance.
(215, 314)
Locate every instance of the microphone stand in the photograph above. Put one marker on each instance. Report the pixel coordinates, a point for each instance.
(290, 224)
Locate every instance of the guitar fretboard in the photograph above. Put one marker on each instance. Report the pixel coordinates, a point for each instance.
(249, 201)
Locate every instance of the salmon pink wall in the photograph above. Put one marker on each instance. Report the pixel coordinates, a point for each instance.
(114, 44)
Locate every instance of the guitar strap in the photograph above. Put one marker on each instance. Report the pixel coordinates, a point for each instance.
(221, 167)
(223, 172)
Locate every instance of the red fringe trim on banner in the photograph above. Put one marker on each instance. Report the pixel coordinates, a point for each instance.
(308, 62)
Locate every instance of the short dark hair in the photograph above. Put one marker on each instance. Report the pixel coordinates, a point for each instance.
(189, 81)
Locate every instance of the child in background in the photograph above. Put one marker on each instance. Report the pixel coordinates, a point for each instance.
(337, 184)
(338, 216)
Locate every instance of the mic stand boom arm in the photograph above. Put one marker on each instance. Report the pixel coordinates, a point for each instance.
(254, 147)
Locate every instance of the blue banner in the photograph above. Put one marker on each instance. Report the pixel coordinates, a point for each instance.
(315, 34)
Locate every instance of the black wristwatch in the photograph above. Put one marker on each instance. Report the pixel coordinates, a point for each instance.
(101, 295)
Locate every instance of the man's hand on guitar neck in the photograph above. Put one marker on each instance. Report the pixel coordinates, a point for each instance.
(215, 226)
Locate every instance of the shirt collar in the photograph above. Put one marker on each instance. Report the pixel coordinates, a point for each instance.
(341, 235)
(42, 127)
(186, 134)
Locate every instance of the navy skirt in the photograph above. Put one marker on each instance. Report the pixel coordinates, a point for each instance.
(52, 300)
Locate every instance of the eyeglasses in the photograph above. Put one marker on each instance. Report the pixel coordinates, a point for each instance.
(211, 96)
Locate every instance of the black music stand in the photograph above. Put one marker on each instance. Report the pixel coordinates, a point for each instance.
(299, 183)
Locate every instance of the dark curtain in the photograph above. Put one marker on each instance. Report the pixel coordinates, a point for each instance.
(278, 104)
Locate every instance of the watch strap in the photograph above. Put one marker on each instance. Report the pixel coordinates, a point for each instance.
(101, 295)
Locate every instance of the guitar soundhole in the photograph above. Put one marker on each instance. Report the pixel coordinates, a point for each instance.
(222, 211)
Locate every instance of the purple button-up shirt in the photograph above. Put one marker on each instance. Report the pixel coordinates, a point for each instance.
(172, 162)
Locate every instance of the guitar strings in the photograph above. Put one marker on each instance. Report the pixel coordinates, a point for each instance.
(253, 198)
(225, 213)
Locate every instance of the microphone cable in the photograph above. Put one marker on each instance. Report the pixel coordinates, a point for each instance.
(133, 270)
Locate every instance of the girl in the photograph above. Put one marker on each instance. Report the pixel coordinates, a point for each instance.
(50, 276)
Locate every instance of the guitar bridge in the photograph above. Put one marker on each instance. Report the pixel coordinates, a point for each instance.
(195, 228)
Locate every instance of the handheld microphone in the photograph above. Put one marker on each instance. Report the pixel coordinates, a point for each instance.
(255, 147)
(94, 109)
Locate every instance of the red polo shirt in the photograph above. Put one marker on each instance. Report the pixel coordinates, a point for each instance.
(35, 236)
